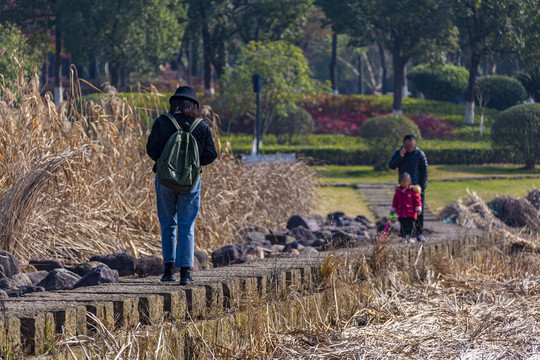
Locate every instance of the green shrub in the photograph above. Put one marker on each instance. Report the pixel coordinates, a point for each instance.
(390, 127)
(439, 82)
(518, 130)
(289, 120)
(384, 133)
(501, 92)
(14, 43)
(531, 83)
(349, 150)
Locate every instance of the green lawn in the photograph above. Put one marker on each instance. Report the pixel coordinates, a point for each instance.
(439, 194)
(353, 174)
(345, 199)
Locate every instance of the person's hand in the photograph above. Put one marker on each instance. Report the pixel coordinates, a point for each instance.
(418, 212)
(402, 151)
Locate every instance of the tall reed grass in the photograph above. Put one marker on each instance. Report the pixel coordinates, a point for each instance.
(484, 305)
(75, 181)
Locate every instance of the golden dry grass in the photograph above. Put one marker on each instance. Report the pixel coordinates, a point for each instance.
(76, 181)
(485, 305)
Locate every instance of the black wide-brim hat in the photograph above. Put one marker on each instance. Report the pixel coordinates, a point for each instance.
(186, 92)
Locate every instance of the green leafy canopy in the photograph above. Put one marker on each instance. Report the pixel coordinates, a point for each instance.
(285, 72)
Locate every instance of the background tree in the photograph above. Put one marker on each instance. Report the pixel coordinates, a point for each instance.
(530, 52)
(397, 25)
(486, 27)
(133, 36)
(286, 77)
(517, 130)
(41, 15)
(14, 43)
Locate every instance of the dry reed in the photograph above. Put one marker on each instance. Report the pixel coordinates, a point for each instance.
(76, 181)
(484, 305)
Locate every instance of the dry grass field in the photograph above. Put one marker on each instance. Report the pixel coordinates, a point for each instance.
(76, 181)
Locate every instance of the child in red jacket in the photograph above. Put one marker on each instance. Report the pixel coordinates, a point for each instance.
(407, 204)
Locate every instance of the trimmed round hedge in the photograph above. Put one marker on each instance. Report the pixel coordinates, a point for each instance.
(439, 82)
(517, 130)
(390, 127)
(290, 119)
(501, 91)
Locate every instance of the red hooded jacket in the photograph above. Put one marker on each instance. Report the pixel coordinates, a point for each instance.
(407, 202)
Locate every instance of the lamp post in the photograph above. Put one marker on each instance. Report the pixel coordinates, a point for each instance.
(257, 87)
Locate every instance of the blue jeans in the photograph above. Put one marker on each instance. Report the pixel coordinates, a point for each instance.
(177, 213)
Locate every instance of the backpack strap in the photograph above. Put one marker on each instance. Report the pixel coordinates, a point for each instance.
(195, 123)
(173, 120)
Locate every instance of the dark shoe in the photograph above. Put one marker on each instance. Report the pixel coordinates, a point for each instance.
(185, 276)
(421, 238)
(168, 274)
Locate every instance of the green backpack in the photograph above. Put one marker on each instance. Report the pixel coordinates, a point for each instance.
(179, 167)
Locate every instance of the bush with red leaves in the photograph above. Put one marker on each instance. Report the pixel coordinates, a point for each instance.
(339, 114)
(432, 127)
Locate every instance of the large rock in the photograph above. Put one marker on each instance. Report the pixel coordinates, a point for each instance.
(280, 238)
(99, 275)
(124, 263)
(319, 219)
(302, 233)
(23, 290)
(342, 239)
(364, 221)
(340, 219)
(299, 220)
(253, 236)
(9, 264)
(227, 255)
(3, 295)
(255, 254)
(258, 228)
(59, 279)
(149, 266)
(47, 264)
(15, 281)
(85, 268)
(295, 245)
(36, 276)
(203, 258)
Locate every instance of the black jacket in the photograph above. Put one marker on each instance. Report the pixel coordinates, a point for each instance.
(415, 163)
(163, 128)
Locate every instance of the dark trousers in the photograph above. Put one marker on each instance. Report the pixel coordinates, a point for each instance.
(407, 225)
(420, 219)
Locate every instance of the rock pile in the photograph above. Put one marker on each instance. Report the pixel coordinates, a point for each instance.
(53, 274)
(302, 235)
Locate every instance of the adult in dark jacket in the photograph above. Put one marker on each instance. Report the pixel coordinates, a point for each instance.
(410, 159)
(177, 211)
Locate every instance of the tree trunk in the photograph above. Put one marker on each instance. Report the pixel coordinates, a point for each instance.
(361, 85)
(399, 74)
(405, 87)
(384, 70)
(471, 89)
(58, 92)
(333, 65)
(207, 58)
(115, 75)
(530, 163)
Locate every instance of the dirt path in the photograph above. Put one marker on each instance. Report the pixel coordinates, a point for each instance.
(379, 199)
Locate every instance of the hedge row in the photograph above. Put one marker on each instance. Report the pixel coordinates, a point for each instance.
(362, 156)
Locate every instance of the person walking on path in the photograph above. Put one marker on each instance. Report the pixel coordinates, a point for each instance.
(407, 204)
(410, 159)
(176, 210)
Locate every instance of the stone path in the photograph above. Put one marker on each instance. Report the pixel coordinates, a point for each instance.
(379, 198)
(31, 323)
